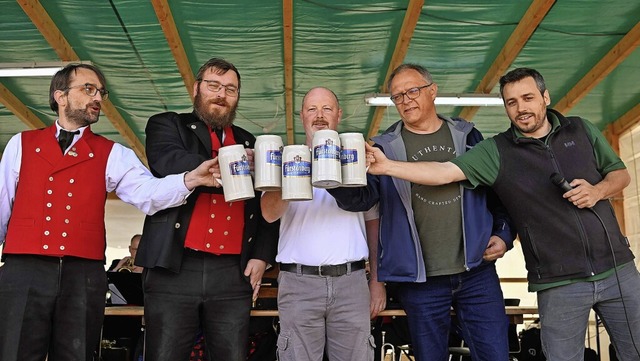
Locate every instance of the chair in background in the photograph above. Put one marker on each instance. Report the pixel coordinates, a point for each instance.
(514, 340)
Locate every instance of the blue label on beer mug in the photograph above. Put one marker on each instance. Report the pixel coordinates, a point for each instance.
(274, 156)
(296, 168)
(326, 151)
(348, 156)
(240, 167)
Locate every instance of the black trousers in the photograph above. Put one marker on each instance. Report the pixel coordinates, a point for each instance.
(51, 306)
(209, 294)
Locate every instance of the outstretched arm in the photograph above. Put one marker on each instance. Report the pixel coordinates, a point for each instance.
(428, 173)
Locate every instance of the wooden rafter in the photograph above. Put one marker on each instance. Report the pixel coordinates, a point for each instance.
(163, 12)
(528, 24)
(58, 42)
(19, 109)
(626, 122)
(400, 51)
(287, 32)
(48, 29)
(610, 61)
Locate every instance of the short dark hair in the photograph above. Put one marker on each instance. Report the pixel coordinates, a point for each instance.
(521, 73)
(62, 79)
(409, 66)
(221, 65)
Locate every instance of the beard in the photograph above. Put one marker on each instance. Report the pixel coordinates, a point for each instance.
(216, 118)
(81, 117)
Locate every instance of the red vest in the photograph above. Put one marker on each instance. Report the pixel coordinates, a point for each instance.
(59, 205)
(216, 226)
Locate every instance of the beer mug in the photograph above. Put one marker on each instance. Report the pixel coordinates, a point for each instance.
(325, 165)
(296, 173)
(236, 176)
(352, 159)
(267, 158)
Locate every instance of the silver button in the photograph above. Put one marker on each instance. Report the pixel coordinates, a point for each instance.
(37, 150)
(249, 240)
(45, 246)
(177, 225)
(46, 233)
(49, 191)
(251, 216)
(68, 207)
(70, 194)
(50, 179)
(210, 230)
(72, 180)
(221, 247)
(228, 218)
(208, 245)
(214, 201)
(213, 215)
(48, 205)
(193, 126)
(90, 155)
(226, 233)
(66, 221)
(62, 248)
(48, 218)
(64, 234)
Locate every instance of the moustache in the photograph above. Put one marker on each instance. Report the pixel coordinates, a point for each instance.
(220, 102)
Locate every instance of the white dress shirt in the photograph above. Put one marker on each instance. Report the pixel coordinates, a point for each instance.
(131, 180)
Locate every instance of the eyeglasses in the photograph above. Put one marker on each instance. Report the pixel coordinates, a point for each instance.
(215, 86)
(412, 93)
(91, 90)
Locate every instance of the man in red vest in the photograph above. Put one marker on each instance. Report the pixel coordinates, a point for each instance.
(52, 198)
(203, 260)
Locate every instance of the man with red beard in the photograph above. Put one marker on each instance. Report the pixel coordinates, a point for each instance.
(204, 260)
(52, 198)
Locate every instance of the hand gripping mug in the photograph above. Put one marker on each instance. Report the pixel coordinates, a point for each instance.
(268, 162)
(352, 158)
(236, 176)
(296, 173)
(325, 164)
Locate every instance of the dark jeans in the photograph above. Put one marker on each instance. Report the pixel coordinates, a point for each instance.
(477, 299)
(210, 294)
(51, 305)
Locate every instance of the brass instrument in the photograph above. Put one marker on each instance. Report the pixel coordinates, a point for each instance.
(128, 266)
(387, 347)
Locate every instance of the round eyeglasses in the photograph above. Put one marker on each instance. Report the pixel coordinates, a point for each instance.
(412, 93)
(91, 90)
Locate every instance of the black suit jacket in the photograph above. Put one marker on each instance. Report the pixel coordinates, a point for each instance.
(178, 143)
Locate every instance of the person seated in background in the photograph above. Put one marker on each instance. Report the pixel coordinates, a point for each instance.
(127, 262)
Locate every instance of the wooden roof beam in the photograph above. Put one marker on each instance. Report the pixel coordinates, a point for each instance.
(287, 32)
(41, 19)
(59, 43)
(170, 30)
(409, 24)
(610, 61)
(626, 122)
(520, 36)
(19, 109)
